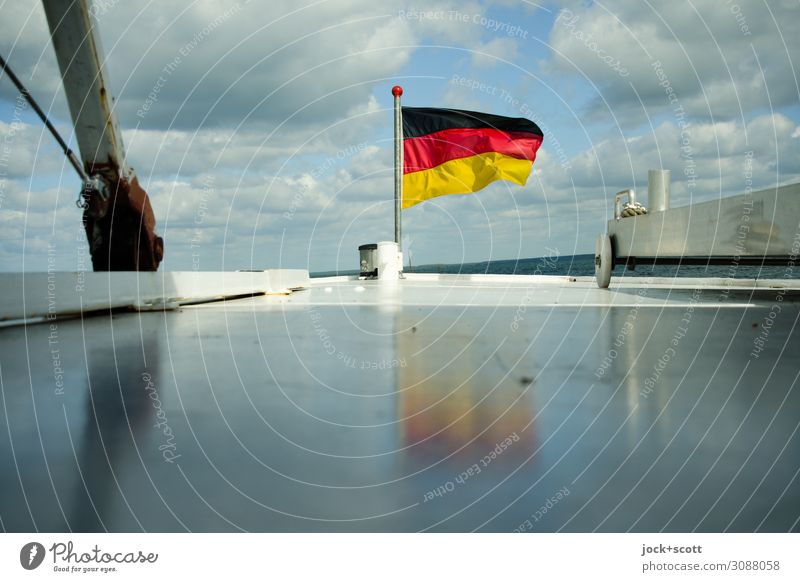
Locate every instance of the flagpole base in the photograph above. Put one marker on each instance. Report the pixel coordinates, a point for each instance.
(389, 261)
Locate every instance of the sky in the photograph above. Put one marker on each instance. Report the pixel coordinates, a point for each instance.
(262, 131)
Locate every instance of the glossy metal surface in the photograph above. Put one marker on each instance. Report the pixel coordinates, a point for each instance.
(444, 404)
(658, 187)
(763, 223)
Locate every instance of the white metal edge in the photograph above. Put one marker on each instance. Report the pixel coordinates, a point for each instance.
(28, 296)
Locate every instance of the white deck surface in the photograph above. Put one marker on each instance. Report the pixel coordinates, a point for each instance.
(444, 403)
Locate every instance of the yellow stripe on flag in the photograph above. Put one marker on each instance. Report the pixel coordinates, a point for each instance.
(463, 176)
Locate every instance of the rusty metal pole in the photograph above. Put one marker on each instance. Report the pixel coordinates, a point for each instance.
(120, 225)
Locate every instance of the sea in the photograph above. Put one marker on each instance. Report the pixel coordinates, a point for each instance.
(583, 266)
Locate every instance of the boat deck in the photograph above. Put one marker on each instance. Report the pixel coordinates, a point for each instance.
(438, 403)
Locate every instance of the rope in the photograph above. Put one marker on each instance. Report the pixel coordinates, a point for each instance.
(634, 209)
(91, 184)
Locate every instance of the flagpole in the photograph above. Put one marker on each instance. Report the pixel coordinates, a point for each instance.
(397, 91)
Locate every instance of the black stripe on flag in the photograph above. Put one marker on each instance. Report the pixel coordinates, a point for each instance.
(419, 121)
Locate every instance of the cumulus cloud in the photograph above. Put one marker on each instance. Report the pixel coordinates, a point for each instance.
(317, 219)
(712, 153)
(264, 144)
(721, 59)
(28, 149)
(494, 51)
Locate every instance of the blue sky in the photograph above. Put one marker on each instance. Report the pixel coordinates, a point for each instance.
(269, 143)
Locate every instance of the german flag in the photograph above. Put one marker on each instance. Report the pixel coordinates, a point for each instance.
(450, 151)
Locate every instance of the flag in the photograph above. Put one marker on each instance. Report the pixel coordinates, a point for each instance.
(450, 151)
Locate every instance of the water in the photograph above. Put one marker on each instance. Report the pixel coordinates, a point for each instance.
(583, 266)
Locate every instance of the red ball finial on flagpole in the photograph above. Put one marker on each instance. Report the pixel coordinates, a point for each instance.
(397, 90)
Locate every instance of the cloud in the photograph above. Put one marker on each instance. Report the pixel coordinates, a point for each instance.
(267, 143)
(316, 219)
(494, 51)
(24, 42)
(714, 153)
(26, 149)
(722, 59)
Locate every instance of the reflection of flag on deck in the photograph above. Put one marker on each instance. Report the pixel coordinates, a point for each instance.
(449, 151)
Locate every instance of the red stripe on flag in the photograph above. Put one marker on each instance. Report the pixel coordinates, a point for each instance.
(429, 151)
